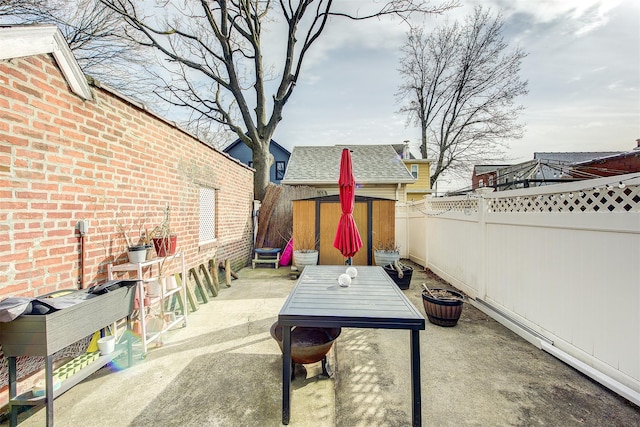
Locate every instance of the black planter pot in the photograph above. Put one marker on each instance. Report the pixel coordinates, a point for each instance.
(404, 282)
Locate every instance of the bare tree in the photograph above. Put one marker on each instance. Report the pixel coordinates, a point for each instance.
(460, 87)
(214, 57)
(94, 35)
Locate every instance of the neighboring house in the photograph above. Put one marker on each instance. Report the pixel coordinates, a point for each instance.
(485, 175)
(378, 170)
(626, 162)
(555, 166)
(281, 155)
(420, 169)
(551, 168)
(520, 175)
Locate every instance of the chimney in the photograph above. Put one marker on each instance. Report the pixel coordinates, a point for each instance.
(405, 150)
(637, 144)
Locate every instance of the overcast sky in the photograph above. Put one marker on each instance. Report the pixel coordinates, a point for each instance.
(583, 69)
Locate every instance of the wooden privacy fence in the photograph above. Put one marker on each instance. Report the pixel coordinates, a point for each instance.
(559, 265)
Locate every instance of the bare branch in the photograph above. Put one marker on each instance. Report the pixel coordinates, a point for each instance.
(212, 54)
(460, 87)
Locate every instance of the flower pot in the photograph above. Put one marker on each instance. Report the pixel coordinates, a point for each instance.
(172, 283)
(155, 287)
(404, 282)
(165, 246)
(137, 254)
(107, 344)
(443, 311)
(383, 258)
(304, 258)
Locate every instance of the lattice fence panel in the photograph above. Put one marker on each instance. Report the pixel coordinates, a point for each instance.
(618, 198)
(466, 205)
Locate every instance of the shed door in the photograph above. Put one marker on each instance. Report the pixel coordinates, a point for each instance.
(329, 216)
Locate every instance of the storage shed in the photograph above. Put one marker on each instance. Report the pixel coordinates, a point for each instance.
(316, 220)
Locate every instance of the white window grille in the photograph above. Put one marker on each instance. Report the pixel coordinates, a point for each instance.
(207, 215)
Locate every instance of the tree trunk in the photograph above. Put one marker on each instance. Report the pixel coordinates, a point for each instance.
(262, 161)
(423, 139)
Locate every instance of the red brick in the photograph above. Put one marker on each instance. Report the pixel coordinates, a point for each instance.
(15, 118)
(15, 74)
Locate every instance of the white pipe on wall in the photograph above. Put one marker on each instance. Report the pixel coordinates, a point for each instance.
(595, 374)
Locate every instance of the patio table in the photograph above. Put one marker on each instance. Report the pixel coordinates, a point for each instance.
(371, 301)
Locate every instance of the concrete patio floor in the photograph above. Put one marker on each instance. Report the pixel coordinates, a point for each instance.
(224, 369)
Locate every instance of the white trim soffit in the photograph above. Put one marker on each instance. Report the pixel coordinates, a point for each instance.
(29, 40)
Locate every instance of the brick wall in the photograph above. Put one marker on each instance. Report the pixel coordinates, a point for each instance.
(627, 162)
(104, 161)
(485, 177)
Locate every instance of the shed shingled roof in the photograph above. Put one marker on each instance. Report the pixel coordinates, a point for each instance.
(372, 164)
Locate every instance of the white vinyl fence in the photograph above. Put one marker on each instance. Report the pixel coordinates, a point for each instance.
(559, 265)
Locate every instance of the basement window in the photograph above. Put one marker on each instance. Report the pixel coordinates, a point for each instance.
(207, 215)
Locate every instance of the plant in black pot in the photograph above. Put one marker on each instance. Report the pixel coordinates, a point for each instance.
(401, 274)
(443, 306)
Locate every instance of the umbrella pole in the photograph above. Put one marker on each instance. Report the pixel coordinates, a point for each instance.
(348, 261)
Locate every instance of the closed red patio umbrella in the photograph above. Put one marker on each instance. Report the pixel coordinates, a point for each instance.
(347, 240)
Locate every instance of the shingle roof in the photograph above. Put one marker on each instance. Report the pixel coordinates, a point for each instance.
(400, 149)
(482, 169)
(229, 147)
(372, 164)
(573, 157)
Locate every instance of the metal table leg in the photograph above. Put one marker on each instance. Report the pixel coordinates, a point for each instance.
(416, 397)
(286, 374)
